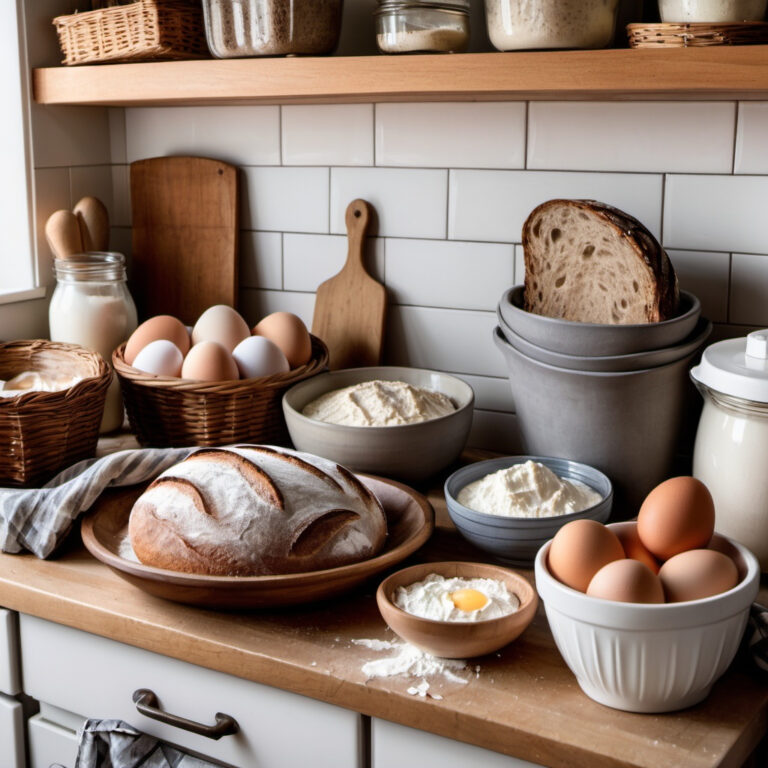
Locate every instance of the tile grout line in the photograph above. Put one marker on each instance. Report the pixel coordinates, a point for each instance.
(735, 137)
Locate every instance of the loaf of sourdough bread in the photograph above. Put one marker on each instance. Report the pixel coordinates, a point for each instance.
(589, 262)
(252, 510)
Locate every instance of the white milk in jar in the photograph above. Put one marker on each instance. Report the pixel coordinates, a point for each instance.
(91, 306)
(731, 451)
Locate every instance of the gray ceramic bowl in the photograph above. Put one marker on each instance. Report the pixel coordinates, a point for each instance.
(409, 451)
(516, 540)
(610, 363)
(594, 339)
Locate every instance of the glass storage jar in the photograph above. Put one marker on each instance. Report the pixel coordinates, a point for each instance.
(271, 27)
(91, 306)
(547, 24)
(712, 11)
(422, 27)
(731, 451)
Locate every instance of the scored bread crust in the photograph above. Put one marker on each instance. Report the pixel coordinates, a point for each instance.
(589, 262)
(255, 510)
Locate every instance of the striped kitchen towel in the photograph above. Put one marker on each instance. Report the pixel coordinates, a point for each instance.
(39, 519)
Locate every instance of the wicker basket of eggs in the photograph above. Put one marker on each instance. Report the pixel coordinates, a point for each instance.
(217, 383)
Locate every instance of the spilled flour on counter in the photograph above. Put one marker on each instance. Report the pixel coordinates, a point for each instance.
(410, 660)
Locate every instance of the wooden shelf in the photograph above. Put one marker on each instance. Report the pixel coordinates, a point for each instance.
(715, 73)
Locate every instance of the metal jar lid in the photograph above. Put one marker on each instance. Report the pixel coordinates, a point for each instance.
(392, 6)
(737, 367)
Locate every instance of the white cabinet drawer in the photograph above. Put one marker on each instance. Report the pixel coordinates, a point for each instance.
(95, 677)
(10, 681)
(50, 743)
(396, 746)
(11, 733)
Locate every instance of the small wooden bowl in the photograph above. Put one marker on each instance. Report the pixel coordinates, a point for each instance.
(452, 639)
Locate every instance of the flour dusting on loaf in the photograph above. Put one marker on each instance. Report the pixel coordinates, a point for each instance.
(588, 262)
(255, 510)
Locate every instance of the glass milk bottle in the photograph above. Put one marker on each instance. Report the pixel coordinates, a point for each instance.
(91, 306)
(731, 452)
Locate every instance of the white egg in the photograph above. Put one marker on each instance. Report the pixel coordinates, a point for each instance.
(257, 356)
(161, 357)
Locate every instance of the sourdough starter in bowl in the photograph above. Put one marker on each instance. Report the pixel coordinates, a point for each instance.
(531, 24)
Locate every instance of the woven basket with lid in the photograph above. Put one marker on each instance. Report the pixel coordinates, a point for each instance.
(44, 432)
(165, 411)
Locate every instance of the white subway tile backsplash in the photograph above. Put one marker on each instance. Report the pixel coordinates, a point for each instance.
(451, 135)
(716, 213)
(683, 137)
(519, 265)
(327, 134)
(408, 203)
(285, 199)
(751, 145)
(244, 135)
(67, 136)
(52, 192)
(120, 212)
(490, 394)
(443, 339)
(118, 138)
(441, 273)
(121, 240)
(255, 304)
(496, 432)
(493, 205)
(261, 260)
(311, 259)
(705, 275)
(749, 289)
(95, 180)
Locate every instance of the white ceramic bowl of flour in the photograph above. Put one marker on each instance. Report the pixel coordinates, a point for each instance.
(406, 451)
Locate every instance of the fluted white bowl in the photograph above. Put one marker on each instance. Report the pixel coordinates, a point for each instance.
(649, 658)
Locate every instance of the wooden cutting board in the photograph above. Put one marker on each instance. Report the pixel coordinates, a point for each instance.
(185, 236)
(350, 308)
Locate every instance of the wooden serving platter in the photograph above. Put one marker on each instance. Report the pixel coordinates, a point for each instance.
(410, 522)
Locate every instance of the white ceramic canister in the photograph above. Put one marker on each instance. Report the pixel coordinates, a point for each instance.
(731, 452)
(712, 11)
(91, 306)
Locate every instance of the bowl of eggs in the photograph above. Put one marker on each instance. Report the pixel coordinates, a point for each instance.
(457, 610)
(648, 614)
(512, 505)
(215, 383)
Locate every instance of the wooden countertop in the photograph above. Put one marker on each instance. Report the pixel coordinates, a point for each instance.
(523, 701)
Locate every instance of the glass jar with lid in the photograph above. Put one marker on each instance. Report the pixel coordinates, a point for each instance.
(422, 27)
(91, 306)
(731, 451)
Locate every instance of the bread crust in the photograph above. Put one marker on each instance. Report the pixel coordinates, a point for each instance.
(255, 510)
(661, 301)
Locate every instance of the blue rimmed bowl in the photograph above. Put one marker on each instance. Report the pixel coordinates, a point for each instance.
(515, 540)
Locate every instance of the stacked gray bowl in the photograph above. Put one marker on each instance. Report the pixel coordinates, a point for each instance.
(611, 396)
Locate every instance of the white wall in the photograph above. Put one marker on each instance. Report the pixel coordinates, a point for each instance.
(452, 185)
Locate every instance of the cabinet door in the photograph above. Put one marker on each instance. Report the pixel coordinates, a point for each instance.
(397, 746)
(9, 653)
(95, 677)
(50, 743)
(11, 733)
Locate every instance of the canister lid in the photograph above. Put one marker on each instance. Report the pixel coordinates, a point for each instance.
(448, 5)
(737, 367)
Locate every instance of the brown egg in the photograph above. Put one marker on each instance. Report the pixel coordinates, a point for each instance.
(289, 333)
(626, 581)
(221, 324)
(676, 516)
(160, 327)
(209, 361)
(579, 550)
(633, 547)
(697, 573)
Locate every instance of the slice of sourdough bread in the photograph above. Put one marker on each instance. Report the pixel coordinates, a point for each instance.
(589, 262)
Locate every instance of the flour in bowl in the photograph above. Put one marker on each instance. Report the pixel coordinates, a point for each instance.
(379, 404)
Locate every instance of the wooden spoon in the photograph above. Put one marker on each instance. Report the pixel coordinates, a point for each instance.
(350, 307)
(62, 232)
(93, 219)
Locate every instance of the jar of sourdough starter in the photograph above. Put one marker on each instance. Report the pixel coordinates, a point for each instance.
(422, 27)
(91, 306)
(731, 451)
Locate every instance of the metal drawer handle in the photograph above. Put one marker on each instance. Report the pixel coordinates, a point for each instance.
(146, 702)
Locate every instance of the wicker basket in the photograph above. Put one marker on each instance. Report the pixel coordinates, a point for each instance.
(43, 432)
(147, 29)
(696, 34)
(165, 411)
